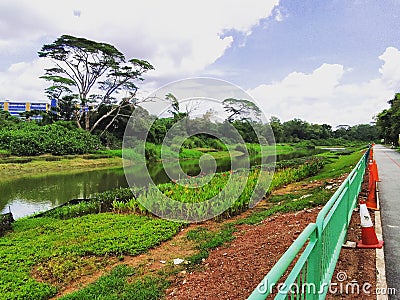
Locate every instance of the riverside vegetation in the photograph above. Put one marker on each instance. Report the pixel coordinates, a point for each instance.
(75, 240)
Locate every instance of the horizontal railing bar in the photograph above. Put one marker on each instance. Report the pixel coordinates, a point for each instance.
(329, 274)
(334, 207)
(321, 254)
(327, 207)
(282, 293)
(264, 288)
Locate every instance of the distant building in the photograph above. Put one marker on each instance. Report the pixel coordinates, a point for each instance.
(16, 108)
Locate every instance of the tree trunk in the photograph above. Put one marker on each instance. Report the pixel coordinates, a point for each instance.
(87, 121)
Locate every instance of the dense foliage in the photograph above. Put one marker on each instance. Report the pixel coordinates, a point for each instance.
(292, 131)
(204, 188)
(30, 138)
(62, 137)
(388, 122)
(55, 249)
(121, 284)
(297, 130)
(80, 65)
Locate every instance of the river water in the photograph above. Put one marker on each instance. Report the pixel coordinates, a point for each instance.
(28, 195)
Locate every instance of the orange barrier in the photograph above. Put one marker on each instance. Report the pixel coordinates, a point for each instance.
(372, 202)
(371, 154)
(368, 235)
(373, 178)
(373, 168)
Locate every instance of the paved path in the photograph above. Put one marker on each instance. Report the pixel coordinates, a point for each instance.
(388, 161)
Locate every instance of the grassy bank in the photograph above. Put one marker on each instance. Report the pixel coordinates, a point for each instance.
(207, 239)
(338, 164)
(59, 251)
(12, 167)
(40, 166)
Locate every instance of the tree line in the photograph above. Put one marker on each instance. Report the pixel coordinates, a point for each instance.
(96, 87)
(388, 122)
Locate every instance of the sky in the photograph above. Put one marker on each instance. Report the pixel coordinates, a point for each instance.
(332, 61)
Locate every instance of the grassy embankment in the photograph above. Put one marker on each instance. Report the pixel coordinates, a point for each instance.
(12, 167)
(59, 251)
(40, 166)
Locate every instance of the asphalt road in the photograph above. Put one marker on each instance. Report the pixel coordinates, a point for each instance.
(388, 161)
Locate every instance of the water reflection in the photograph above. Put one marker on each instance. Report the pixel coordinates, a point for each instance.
(26, 196)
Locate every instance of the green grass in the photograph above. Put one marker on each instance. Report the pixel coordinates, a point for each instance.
(63, 250)
(289, 203)
(113, 152)
(57, 247)
(117, 285)
(231, 190)
(207, 240)
(338, 165)
(42, 165)
(255, 149)
(198, 152)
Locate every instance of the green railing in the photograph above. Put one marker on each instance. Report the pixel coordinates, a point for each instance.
(317, 247)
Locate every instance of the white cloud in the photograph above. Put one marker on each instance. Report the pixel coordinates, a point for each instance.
(180, 38)
(390, 70)
(322, 97)
(21, 82)
(280, 14)
(176, 36)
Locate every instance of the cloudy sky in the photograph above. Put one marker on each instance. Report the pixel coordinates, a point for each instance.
(331, 61)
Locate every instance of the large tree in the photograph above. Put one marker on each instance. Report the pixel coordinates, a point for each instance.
(241, 109)
(94, 72)
(388, 121)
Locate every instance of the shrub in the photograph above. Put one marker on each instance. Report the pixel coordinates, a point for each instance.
(4, 153)
(152, 152)
(29, 139)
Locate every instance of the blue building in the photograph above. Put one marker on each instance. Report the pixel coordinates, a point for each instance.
(16, 108)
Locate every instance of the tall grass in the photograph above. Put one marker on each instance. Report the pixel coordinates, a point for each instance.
(118, 284)
(198, 190)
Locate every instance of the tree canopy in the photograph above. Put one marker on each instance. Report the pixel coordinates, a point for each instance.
(388, 121)
(92, 73)
(241, 109)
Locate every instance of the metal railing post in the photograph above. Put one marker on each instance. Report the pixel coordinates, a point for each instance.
(317, 262)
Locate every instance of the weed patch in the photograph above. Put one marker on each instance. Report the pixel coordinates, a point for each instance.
(117, 285)
(58, 246)
(207, 240)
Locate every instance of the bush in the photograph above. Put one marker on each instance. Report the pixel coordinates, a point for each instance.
(4, 153)
(29, 139)
(100, 202)
(217, 144)
(152, 152)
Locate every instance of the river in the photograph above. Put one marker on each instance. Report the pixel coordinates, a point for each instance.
(28, 195)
